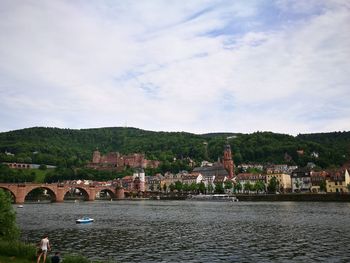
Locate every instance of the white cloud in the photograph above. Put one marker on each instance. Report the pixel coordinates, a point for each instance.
(164, 65)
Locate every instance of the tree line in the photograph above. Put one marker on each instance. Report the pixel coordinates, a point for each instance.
(70, 148)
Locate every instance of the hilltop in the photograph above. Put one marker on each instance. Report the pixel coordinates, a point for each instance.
(73, 147)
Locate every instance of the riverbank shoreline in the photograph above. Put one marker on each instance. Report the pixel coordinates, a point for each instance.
(302, 197)
(306, 197)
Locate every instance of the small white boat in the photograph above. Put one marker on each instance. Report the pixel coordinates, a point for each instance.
(84, 220)
(20, 206)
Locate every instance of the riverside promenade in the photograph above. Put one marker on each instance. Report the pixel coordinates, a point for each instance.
(293, 197)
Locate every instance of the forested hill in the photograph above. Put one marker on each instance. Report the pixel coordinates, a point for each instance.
(68, 147)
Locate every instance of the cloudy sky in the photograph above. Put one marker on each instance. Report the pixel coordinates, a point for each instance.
(195, 66)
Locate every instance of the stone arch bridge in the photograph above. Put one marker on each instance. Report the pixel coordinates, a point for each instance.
(59, 190)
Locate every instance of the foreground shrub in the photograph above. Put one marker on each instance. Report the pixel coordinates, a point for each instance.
(17, 249)
(8, 228)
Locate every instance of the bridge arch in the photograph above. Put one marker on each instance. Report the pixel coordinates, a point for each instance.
(58, 191)
(51, 193)
(110, 192)
(82, 190)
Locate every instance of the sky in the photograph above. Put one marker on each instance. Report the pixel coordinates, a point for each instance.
(194, 66)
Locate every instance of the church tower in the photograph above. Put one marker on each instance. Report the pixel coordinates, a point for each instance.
(228, 161)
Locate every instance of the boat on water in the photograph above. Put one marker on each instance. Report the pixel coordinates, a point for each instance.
(215, 197)
(20, 206)
(84, 220)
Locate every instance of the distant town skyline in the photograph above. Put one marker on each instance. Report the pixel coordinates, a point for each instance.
(195, 66)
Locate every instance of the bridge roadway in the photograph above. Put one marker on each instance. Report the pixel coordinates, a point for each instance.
(59, 190)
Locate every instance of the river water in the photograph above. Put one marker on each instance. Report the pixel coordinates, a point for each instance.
(193, 231)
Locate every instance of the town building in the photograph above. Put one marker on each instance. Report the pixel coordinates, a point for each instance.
(250, 178)
(338, 181)
(135, 182)
(284, 181)
(170, 178)
(301, 180)
(318, 181)
(191, 178)
(280, 169)
(128, 182)
(209, 173)
(228, 161)
(153, 183)
(139, 180)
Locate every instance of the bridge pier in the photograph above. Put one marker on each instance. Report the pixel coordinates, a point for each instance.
(21, 194)
(61, 191)
(120, 194)
(91, 194)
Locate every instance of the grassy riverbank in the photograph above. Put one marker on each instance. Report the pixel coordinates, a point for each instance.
(18, 252)
(4, 259)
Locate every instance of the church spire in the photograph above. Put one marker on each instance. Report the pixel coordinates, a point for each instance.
(228, 161)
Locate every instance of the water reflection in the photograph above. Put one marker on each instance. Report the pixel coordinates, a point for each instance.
(181, 231)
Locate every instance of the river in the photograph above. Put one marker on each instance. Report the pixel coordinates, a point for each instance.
(193, 231)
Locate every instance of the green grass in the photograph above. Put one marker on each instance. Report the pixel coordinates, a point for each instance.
(17, 249)
(18, 252)
(39, 174)
(4, 259)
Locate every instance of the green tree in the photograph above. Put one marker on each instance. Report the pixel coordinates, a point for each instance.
(219, 189)
(193, 187)
(201, 187)
(248, 187)
(297, 184)
(228, 184)
(185, 188)
(210, 188)
(259, 186)
(238, 187)
(164, 188)
(172, 187)
(178, 186)
(273, 185)
(8, 228)
(323, 186)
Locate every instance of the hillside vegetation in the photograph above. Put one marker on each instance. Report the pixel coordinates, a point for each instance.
(73, 148)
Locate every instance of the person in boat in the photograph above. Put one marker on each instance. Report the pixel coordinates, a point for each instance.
(44, 246)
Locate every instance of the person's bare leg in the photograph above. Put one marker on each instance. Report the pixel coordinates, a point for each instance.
(44, 257)
(38, 260)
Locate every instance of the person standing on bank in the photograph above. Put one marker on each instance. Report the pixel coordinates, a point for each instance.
(44, 246)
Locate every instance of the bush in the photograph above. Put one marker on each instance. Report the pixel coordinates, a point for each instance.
(17, 249)
(8, 228)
